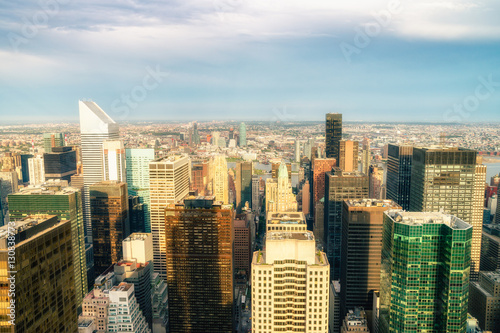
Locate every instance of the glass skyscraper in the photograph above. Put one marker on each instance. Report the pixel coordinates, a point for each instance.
(243, 135)
(333, 135)
(424, 282)
(399, 162)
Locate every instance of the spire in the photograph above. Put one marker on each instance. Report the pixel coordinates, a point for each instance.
(282, 171)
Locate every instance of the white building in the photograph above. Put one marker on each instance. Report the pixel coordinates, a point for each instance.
(36, 170)
(220, 181)
(114, 160)
(290, 281)
(95, 128)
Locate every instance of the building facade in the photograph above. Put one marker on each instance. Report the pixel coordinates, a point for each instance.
(333, 134)
(348, 155)
(399, 162)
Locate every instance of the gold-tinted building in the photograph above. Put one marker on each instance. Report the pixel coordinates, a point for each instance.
(37, 288)
(110, 222)
(199, 251)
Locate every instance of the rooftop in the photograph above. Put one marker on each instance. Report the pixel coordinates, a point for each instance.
(286, 218)
(279, 235)
(137, 236)
(420, 218)
(356, 317)
(48, 188)
(371, 203)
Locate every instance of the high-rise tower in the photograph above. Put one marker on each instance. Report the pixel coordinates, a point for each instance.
(399, 163)
(95, 128)
(114, 160)
(243, 135)
(333, 135)
(220, 182)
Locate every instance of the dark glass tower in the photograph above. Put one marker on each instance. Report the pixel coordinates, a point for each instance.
(199, 253)
(244, 172)
(333, 134)
(60, 163)
(399, 162)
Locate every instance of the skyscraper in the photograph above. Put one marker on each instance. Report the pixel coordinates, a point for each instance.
(333, 134)
(137, 161)
(110, 222)
(446, 179)
(219, 180)
(290, 280)
(399, 164)
(484, 301)
(256, 193)
(42, 276)
(362, 222)
(55, 198)
(8, 184)
(297, 151)
(425, 272)
(114, 160)
(36, 170)
(365, 156)
(136, 214)
(376, 179)
(60, 163)
(168, 183)
(243, 135)
(320, 167)
(279, 194)
(348, 155)
(51, 140)
(199, 265)
(339, 187)
(244, 171)
(95, 128)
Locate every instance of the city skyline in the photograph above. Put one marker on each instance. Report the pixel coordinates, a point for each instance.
(237, 59)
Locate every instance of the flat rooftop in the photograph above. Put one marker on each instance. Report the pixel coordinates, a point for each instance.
(280, 235)
(137, 236)
(371, 203)
(420, 218)
(48, 188)
(286, 218)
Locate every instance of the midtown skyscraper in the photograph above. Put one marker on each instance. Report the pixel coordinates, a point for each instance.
(399, 163)
(339, 186)
(114, 160)
(51, 140)
(333, 135)
(95, 128)
(290, 280)
(243, 182)
(446, 179)
(279, 194)
(243, 135)
(54, 198)
(44, 296)
(168, 184)
(199, 253)
(432, 252)
(138, 179)
(348, 155)
(220, 185)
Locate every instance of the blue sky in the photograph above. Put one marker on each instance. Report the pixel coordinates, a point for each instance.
(251, 60)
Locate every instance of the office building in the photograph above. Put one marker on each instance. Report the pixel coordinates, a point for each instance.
(110, 222)
(8, 185)
(333, 135)
(279, 193)
(114, 160)
(348, 155)
(137, 161)
(334, 314)
(355, 321)
(243, 183)
(339, 186)
(25, 168)
(159, 303)
(320, 167)
(56, 198)
(399, 164)
(60, 163)
(365, 156)
(490, 248)
(42, 276)
(242, 245)
(36, 170)
(275, 169)
(290, 280)
(136, 214)
(220, 182)
(306, 198)
(199, 254)
(168, 184)
(256, 193)
(433, 251)
(243, 135)
(484, 301)
(497, 212)
(52, 140)
(376, 179)
(362, 222)
(297, 151)
(200, 177)
(451, 180)
(113, 308)
(95, 128)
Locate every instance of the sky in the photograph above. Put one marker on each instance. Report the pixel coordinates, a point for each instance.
(371, 60)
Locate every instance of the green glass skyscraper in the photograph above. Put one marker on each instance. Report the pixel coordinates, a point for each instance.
(424, 282)
(243, 135)
(66, 204)
(138, 179)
